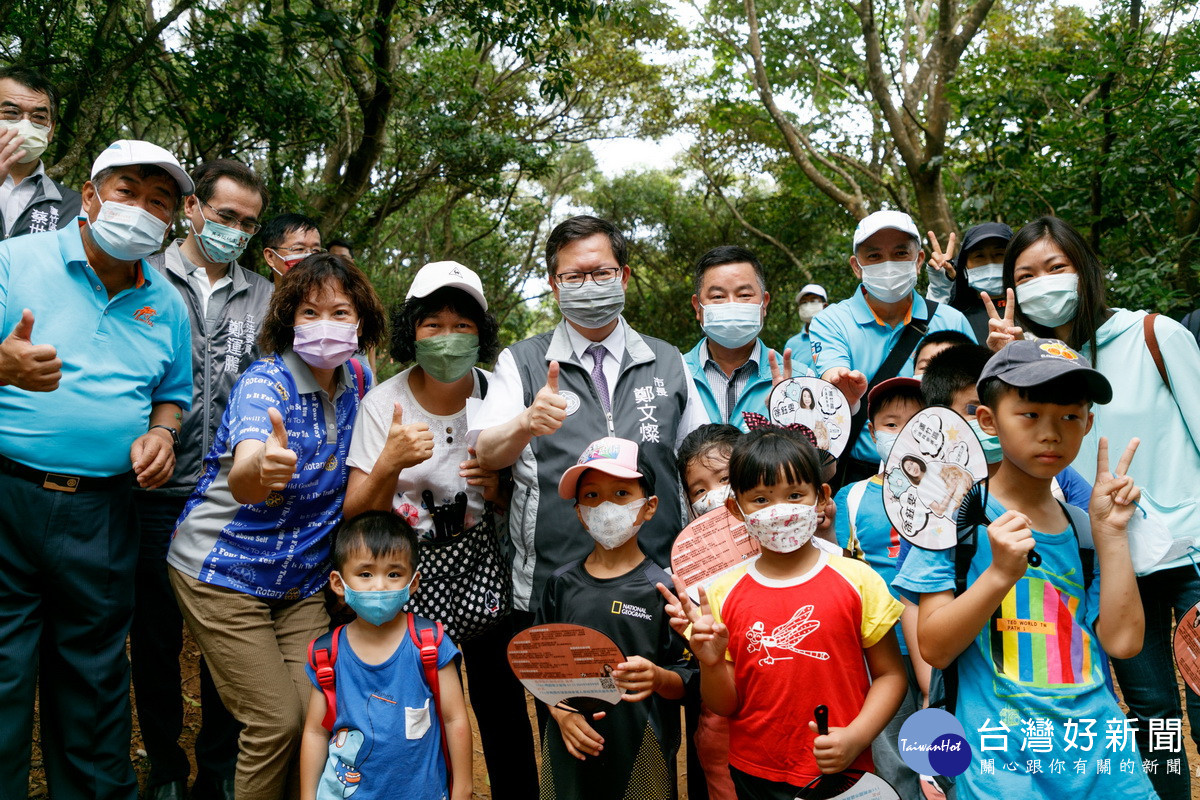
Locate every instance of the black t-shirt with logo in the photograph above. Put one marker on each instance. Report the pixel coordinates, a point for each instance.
(640, 739)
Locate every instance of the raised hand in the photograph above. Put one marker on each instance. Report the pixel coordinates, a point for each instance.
(10, 152)
(407, 445)
(1001, 329)
(1011, 538)
(709, 638)
(778, 376)
(549, 409)
(276, 463)
(850, 382)
(1113, 493)
(942, 261)
(29, 366)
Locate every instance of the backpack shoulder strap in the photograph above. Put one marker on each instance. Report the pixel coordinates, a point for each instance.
(1192, 323)
(427, 636)
(853, 501)
(481, 376)
(360, 378)
(322, 657)
(1152, 346)
(1087, 546)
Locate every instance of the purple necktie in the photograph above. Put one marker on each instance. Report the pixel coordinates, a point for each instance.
(597, 351)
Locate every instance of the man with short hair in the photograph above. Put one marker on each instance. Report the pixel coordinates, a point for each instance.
(287, 240)
(341, 247)
(592, 376)
(30, 200)
(729, 365)
(810, 301)
(95, 374)
(854, 338)
(226, 303)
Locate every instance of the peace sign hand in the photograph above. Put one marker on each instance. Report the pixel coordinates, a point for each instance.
(1001, 330)
(1113, 494)
(942, 261)
(709, 638)
(778, 376)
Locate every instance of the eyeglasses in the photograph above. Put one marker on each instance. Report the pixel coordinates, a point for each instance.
(298, 250)
(11, 113)
(249, 226)
(571, 280)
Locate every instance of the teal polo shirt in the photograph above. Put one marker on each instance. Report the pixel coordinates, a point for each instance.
(848, 334)
(119, 355)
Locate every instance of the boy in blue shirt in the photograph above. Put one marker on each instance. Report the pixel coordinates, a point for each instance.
(1026, 640)
(386, 738)
(864, 530)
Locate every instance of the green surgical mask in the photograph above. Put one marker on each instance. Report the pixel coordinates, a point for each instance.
(448, 357)
(990, 442)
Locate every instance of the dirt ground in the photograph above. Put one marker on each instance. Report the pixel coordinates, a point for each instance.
(189, 661)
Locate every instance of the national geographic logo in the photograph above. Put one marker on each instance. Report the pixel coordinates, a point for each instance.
(630, 610)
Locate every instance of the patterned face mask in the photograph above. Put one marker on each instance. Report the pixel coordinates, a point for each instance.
(611, 524)
(783, 527)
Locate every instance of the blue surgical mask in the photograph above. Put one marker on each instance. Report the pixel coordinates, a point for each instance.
(988, 278)
(127, 233)
(990, 442)
(731, 325)
(221, 244)
(883, 444)
(592, 305)
(1050, 300)
(377, 608)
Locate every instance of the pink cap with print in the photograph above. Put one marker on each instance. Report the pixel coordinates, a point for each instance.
(617, 457)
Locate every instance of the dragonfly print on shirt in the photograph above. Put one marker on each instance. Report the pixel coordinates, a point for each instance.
(787, 637)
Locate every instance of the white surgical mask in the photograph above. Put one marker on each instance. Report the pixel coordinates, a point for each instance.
(1050, 300)
(809, 310)
(611, 524)
(987, 278)
(127, 233)
(783, 527)
(890, 281)
(715, 498)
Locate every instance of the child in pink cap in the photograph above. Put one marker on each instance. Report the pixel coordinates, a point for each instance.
(629, 750)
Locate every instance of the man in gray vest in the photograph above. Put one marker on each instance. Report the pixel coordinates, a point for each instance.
(30, 201)
(226, 304)
(592, 376)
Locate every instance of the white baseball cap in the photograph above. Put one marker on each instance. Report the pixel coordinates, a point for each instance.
(813, 288)
(872, 224)
(127, 152)
(441, 274)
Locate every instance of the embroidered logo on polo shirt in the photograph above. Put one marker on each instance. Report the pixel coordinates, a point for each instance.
(146, 314)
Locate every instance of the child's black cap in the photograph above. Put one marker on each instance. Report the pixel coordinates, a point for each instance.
(1032, 362)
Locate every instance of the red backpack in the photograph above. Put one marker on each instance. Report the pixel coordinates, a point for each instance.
(426, 634)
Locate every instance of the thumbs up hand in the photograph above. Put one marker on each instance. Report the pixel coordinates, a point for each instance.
(29, 366)
(549, 408)
(276, 463)
(407, 445)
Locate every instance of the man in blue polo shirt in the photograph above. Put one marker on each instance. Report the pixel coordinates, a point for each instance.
(729, 366)
(853, 338)
(96, 373)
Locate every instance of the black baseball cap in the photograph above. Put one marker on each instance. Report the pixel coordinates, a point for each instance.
(1026, 363)
(978, 235)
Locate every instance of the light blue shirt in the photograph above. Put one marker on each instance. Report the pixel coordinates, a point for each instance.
(120, 356)
(848, 334)
(802, 349)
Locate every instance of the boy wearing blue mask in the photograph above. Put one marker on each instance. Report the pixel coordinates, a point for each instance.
(628, 750)
(864, 530)
(387, 731)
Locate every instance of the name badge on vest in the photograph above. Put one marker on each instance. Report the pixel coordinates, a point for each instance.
(572, 401)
